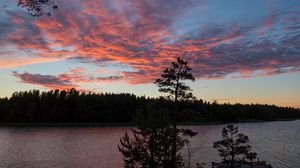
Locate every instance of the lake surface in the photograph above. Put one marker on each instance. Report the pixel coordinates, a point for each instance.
(276, 142)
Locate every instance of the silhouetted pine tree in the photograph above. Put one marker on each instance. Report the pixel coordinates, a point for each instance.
(150, 145)
(172, 82)
(234, 147)
(38, 7)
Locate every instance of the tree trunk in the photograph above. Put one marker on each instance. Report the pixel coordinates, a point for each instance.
(232, 152)
(174, 145)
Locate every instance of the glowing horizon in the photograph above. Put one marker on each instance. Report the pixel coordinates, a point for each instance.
(240, 51)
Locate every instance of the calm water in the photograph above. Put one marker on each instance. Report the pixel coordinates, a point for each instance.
(276, 142)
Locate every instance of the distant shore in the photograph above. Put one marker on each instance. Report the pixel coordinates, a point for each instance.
(118, 124)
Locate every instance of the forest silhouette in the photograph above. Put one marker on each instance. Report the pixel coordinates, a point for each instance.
(74, 106)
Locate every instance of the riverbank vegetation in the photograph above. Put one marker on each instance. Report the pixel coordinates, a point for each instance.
(74, 106)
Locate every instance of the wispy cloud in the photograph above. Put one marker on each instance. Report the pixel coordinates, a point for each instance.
(48, 81)
(71, 79)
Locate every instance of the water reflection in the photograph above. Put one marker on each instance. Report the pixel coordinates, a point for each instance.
(276, 142)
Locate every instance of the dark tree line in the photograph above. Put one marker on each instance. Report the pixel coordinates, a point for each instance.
(71, 106)
(74, 106)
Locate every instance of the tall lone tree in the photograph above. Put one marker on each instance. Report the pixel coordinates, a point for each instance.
(150, 145)
(234, 147)
(172, 82)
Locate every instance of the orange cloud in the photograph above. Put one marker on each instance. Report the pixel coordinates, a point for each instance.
(145, 36)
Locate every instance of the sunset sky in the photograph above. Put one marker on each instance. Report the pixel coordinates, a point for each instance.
(241, 51)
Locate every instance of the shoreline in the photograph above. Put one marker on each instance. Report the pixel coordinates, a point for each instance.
(122, 124)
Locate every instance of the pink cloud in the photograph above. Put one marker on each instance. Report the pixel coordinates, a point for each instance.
(142, 35)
